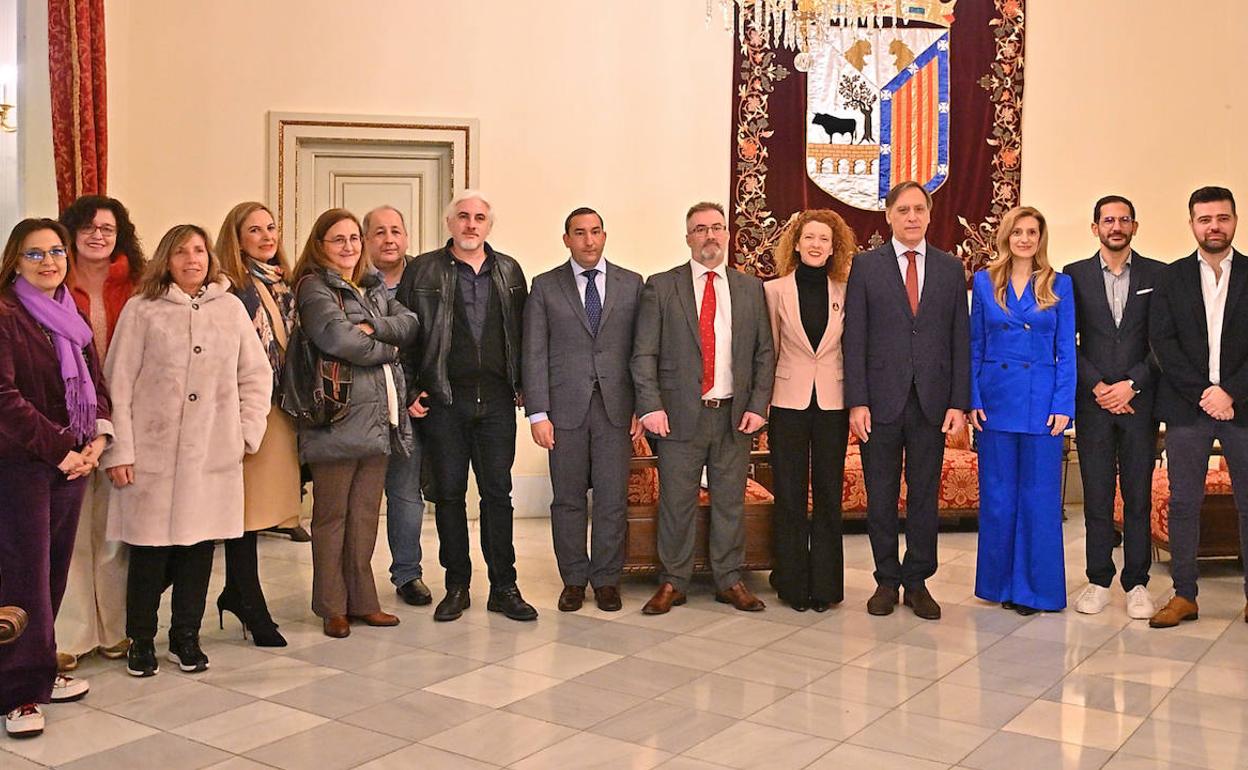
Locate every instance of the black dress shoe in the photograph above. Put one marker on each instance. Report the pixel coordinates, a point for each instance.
(818, 606)
(415, 593)
(921, 601)
(571, 598)
(882, 601)
(1024, 610)
(509, 602)
(453, 605)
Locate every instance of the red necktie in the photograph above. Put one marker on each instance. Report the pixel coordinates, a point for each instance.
(706, 326)
(912, 281)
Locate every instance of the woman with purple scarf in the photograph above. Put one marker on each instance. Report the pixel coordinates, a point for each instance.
(53, 427)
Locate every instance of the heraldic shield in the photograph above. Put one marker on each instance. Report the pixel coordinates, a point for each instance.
(877, 109)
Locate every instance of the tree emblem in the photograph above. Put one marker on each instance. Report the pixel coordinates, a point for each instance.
(857, 94)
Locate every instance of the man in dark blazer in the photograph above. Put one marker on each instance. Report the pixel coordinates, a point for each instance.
(1198, 316)
(578, 339)
(907, 383)
(1114, 405)
(703, 364)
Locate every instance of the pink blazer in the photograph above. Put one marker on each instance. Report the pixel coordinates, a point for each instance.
(799, 369)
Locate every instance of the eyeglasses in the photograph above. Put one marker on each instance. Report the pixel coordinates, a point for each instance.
(38, 255)
(1124, 221)
(702, 230)
(341, 241)
(108, 231)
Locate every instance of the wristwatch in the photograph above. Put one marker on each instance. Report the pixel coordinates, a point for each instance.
(1132, 384)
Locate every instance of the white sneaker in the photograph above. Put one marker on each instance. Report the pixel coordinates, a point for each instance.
(1139, 604)
(1093, 599)
(24, 721)
(66, 689)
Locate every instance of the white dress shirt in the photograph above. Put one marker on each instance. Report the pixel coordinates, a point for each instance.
(578, 277)
(1213, 290)
(723, 325)
(920, 261)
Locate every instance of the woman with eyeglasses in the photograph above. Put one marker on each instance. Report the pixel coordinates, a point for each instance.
(252, 258)
(105, 264)
(191, 388)
(54, 424)
(347, 313)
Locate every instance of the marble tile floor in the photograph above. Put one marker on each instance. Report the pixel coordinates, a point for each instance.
(703, 687)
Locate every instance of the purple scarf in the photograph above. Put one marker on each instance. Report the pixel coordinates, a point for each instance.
(70, 335)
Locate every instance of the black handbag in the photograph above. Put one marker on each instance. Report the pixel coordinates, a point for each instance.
(315, 389)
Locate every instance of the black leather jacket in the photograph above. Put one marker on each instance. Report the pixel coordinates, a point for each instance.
(428, 289)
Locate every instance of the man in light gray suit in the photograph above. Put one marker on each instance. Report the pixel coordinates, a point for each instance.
(907, 384)
(703, 363)
(578, 338)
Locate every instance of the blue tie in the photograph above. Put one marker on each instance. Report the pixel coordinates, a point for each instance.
(593, 303)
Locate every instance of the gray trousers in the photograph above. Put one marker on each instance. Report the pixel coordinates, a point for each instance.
(1187, 457)
(594, 454)
(725, 452)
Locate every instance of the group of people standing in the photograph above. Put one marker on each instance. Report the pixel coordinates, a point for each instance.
(145, 395)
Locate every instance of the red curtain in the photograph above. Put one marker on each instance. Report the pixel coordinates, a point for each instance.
(79, 97)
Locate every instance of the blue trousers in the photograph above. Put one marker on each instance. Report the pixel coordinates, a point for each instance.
(1020, 557)
(405, 514)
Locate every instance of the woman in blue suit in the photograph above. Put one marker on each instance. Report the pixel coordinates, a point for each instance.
(1022, 398)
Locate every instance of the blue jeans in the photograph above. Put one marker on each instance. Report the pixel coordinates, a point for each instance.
(405, 512)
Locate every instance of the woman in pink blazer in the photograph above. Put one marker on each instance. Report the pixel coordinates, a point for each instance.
(809, 424)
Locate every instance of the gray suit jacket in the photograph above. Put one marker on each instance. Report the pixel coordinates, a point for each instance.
(667, 351)
(888, 348)
(562, 359)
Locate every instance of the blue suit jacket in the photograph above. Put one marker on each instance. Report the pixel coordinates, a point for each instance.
(1023, 365)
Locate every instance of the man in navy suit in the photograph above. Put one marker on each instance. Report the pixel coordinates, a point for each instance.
(1198, 315)
(907, 383)
(1114, 405)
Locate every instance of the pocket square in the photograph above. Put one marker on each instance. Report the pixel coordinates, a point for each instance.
(1145, 291)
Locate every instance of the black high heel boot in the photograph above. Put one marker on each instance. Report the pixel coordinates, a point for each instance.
(243, 596)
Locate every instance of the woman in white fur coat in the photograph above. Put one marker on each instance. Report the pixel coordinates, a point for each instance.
(192, 385)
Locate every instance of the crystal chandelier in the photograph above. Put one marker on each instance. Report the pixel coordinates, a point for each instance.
(803, 25)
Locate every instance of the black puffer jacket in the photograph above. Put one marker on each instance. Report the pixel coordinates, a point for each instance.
(366, 430)
(428, 287)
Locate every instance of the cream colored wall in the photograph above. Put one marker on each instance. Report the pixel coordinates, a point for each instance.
(626, 107)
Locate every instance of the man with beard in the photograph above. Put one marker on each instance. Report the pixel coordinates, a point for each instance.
(1198, 315)
(703, 364)
(465, 387)
(578, 338)
(1114, 405)
(385, 245)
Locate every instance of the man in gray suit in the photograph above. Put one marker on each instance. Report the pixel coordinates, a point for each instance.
(703, 365)
(578, 338)
(907, 383)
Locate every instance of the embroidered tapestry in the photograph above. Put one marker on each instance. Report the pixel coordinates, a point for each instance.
(934, 97)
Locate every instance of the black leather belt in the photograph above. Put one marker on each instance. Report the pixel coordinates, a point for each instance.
(716, 403)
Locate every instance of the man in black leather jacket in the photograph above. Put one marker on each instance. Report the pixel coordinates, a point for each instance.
(464, 387)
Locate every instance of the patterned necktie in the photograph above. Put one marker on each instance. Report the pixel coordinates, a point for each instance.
(593, 303)
(912, 281)
(706, 326)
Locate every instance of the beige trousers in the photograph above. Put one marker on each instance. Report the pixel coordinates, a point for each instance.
(93, 613)
(346, 505)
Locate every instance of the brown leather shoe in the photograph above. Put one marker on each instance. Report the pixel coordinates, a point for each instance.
(921, 601)
(608, 598)
(740, 597)
(337, 626)
(1175, 612)
(663, 600)
(377, 619)
(882, 601)
(65, 662)
(571, 598)
(1246, 613)
(13, 622)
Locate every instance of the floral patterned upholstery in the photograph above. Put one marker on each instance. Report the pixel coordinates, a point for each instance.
(959, 479)
(643, 483)
(1217, 482)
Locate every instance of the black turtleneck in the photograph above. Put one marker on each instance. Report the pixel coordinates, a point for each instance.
(812, 301)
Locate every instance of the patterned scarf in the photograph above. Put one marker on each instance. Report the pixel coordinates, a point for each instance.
(70, 335)
(271, 276)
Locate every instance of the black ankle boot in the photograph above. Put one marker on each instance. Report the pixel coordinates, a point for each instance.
(264, 631)
(184, 650)
(243, 595)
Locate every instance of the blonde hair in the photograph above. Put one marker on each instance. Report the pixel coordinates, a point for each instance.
(313, 256)
(1042, 273)
(229, 248)
(156, 277)
(844, 244)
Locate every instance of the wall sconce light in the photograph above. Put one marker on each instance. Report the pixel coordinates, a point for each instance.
(8, 110)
